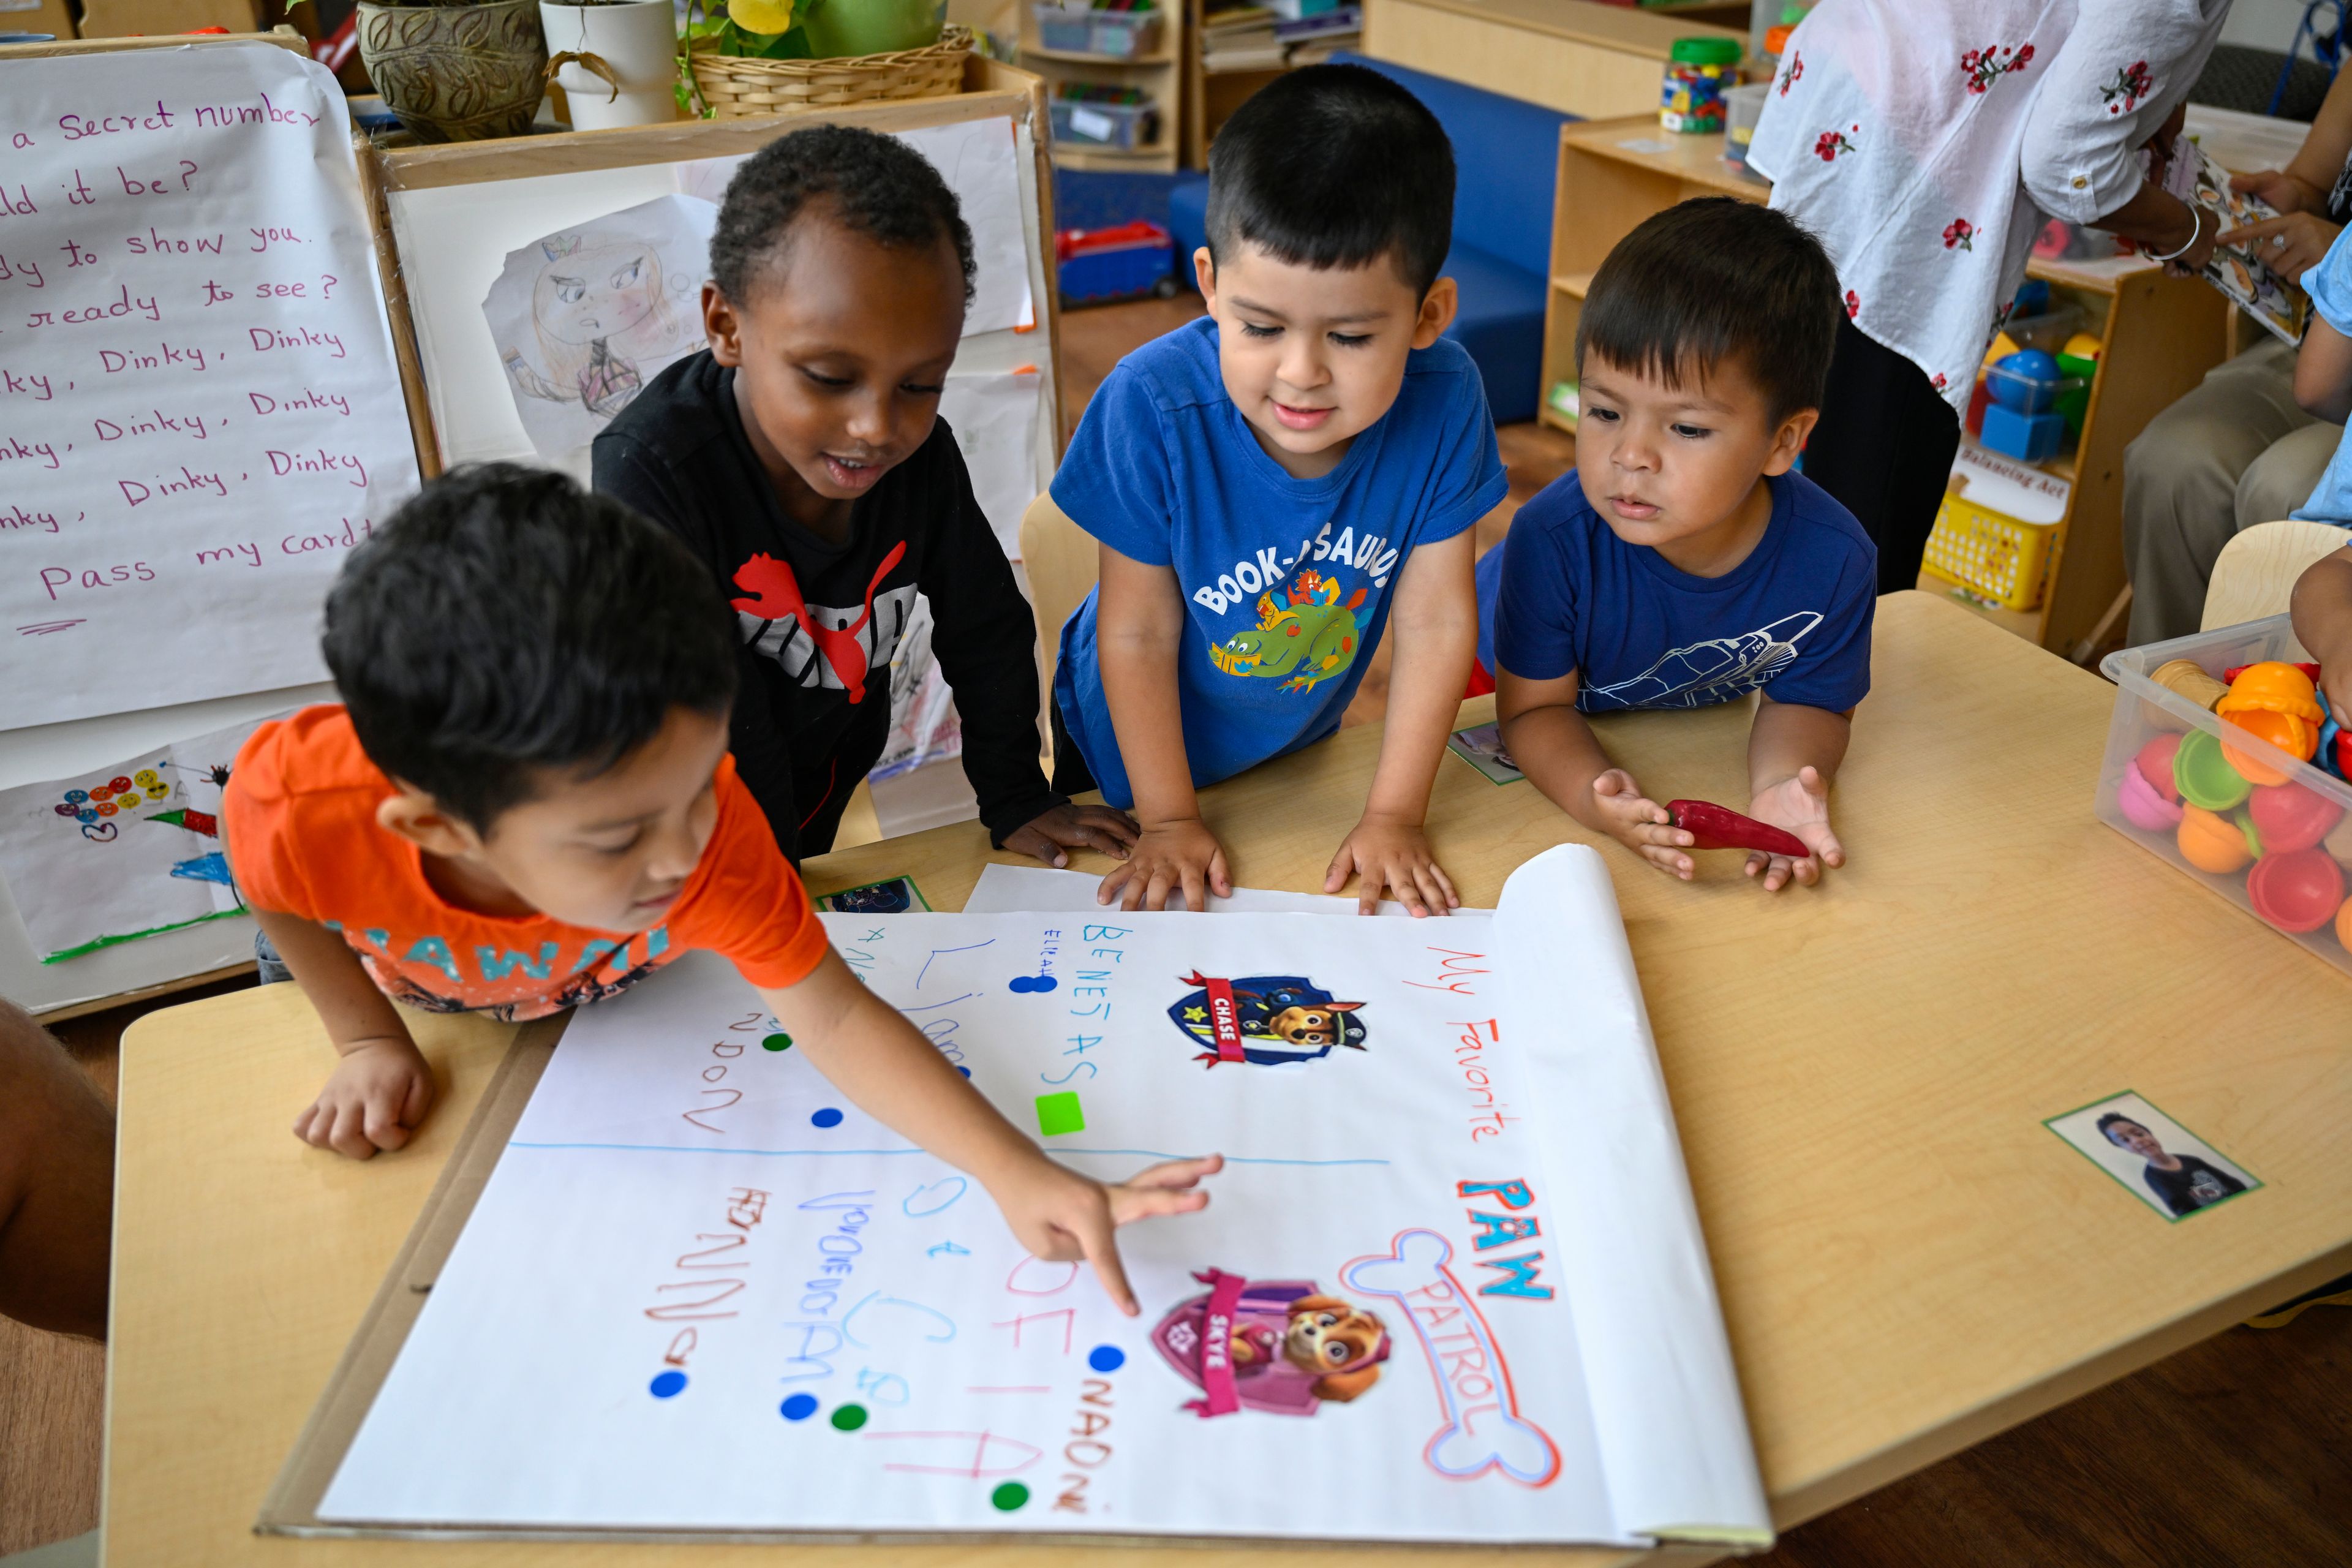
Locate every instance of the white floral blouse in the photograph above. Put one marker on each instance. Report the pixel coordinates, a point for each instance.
(1923, 140)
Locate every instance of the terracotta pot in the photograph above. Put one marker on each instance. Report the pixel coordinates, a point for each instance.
(456, 73)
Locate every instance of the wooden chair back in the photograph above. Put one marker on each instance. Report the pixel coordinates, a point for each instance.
(1059, 558)
(2255, 572)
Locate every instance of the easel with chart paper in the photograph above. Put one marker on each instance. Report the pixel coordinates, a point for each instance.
(1450, 1285)
(170, 514)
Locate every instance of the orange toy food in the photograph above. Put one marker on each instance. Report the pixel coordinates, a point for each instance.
(2211, 843)
(2274, 687)
(2344, 923)
(2285, 731)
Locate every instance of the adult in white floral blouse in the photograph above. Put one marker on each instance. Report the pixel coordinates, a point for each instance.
(1924, 141)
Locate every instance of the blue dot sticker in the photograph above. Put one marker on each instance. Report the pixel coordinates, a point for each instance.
(798, 1408)
(667, 1385)
(828, 1117)
(1106, 1358)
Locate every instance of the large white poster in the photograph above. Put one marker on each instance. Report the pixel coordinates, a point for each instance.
(199, 413)
(1449, 1287)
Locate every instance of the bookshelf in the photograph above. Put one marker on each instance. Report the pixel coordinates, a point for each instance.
(1160, 74)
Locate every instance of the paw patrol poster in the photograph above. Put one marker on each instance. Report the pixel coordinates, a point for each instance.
(1449, 1287)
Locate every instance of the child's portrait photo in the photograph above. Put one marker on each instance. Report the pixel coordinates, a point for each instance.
(2166, 1166)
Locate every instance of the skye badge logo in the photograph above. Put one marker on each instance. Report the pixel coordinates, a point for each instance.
(1265, 1019)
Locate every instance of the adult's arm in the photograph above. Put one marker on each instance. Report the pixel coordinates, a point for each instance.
(2118, 80)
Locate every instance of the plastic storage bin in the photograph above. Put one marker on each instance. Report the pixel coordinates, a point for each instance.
(2283, 883)
(1114, 35)
(1095, 265)
(1087, 123)
(1742, 108)
(1997, 529)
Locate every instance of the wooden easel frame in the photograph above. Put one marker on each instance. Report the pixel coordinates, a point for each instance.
(990, 89)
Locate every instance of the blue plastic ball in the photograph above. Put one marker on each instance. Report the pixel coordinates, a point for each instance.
(2029, 386)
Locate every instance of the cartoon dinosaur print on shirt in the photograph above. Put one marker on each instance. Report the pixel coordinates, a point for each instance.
(1310, 639)
(776, 596)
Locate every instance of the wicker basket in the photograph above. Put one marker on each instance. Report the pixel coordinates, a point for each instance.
(733, 87)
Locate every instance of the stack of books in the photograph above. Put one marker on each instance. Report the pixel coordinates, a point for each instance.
(1240, 39)
(1321, 31)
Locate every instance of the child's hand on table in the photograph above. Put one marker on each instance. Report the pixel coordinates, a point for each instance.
(376, 1096)
(1044, 837)
(1178, 854)
(1640, 824)
(1062, 1216)
(1802, 806)
(1387, 852)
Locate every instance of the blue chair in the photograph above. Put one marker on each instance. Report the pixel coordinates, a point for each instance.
(1506, 160)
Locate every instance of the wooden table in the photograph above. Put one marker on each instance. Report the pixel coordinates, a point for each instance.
(1581, 58)
(1908, 1261)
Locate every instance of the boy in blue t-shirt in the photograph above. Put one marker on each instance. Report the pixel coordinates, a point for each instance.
(1681, 563)
(1271, 484)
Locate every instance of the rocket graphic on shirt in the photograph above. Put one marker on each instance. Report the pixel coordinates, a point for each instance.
(822, 645)
(1715, 670)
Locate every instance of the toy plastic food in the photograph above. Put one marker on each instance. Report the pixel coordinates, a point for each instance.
(2299, 891)
(2154, 763)
(2232, 672)
(2284, 731)
(2143, 807)
(2275, 687)
(2339, 841)
(2188, 679)
(2344, 923)
(1713, 826)
(2204, 774)
(2291, 818)
(2211, 843)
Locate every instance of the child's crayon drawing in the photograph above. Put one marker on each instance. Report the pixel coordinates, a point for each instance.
(122, 852)
(584, 317)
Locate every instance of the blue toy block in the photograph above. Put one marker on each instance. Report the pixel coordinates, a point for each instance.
(2028, 437)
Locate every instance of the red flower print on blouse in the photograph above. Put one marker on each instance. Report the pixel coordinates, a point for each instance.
(1853, 304)
(1985, 66)
(1794, 74)
(1940, 382)
(2131, 85)
(1832, 143)
(1960, 234)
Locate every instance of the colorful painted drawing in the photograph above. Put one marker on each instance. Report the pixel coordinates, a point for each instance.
(1267, 1020)
(584, 317)
(1281, 1346)
(1308, 638)
(122, 852)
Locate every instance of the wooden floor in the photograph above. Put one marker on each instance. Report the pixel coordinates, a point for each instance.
(2234, 1453)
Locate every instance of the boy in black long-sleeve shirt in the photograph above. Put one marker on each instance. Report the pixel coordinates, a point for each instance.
(801, 458)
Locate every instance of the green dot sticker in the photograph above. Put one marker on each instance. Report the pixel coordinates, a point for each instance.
(849, 1419)
(1058, 1113)
(778, 1043)
(1009, 1496)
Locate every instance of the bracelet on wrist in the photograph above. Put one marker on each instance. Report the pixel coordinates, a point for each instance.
(2196, 232)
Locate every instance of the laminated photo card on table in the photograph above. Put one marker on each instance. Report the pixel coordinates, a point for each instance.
(2162, 1163)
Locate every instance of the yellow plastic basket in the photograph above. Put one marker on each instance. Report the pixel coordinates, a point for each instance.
(1991, 553)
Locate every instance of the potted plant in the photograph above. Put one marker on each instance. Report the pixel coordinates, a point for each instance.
(616, 60)
(456, 73)
(769, 57)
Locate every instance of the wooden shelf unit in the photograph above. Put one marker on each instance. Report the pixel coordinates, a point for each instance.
(1161, 74)
(2159, 336)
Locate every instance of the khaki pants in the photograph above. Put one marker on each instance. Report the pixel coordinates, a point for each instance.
(2235, 452)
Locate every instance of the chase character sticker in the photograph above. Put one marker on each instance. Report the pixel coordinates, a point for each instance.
(1276, 1345)
(1304, 639)
(1265, 1019)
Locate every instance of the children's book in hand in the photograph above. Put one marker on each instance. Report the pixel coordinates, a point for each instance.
(2238, 271)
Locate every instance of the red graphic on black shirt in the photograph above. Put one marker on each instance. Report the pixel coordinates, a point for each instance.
(777, 597)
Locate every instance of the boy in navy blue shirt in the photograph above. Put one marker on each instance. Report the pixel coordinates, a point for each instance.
(1683, 563)
(1272, 484)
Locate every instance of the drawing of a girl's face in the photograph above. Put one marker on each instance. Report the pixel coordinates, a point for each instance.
(597, 293)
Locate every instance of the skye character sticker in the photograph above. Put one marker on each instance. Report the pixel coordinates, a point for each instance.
(1276, 1345)
(1265, 1019)
(1310, 636)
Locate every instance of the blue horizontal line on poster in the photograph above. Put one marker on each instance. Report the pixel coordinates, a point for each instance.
(831, 1153)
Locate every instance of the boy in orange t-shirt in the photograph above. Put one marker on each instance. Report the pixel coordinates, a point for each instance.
(525, 803)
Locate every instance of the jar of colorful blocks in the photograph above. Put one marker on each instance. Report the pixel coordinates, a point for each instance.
(1697, 70)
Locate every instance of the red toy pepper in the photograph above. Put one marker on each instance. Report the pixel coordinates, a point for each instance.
(1713, 826)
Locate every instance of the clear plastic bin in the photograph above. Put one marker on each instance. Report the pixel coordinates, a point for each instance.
(2048, 331)
(1742, 108)
(1114, 35)
(1083, 122)
(2030, 394)
(2294, 892)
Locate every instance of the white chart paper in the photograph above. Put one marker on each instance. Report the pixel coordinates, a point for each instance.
(703, 1292)
(199, 413)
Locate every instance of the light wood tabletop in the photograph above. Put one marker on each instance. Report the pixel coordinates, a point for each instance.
(1908, 1260)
